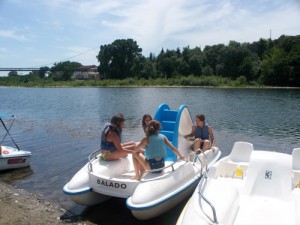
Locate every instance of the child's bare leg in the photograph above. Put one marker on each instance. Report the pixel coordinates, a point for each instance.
(197, 144)
(128, 146)
(206, 145)
(136, 166)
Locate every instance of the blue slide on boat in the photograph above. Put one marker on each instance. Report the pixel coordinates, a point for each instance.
(174, 124)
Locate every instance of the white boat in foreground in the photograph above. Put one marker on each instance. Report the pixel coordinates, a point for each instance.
(10, 157)
(247, 187)
(154, 193)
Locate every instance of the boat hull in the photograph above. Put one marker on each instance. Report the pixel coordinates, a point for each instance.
(12, 158)
(86, 196)
(145, 203)
(79, 190)
(113, 178)
(160, 206)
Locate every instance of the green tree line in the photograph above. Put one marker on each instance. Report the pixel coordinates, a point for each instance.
(263, 62)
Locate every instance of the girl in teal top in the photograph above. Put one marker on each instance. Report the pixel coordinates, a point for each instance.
(155, 151)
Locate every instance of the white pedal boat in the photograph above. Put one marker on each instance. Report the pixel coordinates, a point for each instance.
(247, 187)
(10, 157)
(154, 193)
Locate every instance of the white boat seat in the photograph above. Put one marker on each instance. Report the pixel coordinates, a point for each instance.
(296, 178)
(238, 158)
(241, 152)
(228, 169)
(296, 159)
(296, 167)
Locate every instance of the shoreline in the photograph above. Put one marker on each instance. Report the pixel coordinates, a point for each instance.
(21, 207)
(160, 86)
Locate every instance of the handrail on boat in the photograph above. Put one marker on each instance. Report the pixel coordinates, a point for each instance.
(215, 220)
(93, 155)
(196, 156)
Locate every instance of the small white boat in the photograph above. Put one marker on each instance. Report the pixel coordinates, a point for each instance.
(10, 157)
(154, 193)
(247, 187)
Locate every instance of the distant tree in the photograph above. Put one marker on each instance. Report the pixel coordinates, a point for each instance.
(138, 67)
(182, 67)
(281, 64)
(212, 56)
(196, 61)
(167, 62)
(207, 71)
(274, 67)
(12, 73)
(63, 70)
(145, 68)
(294, 66)
(260, 47)
(166, 66)
(286, 42)
(178, 52)
(117, 59)
(43, 71)
(250, 67)
(235, 60)
(33, 76)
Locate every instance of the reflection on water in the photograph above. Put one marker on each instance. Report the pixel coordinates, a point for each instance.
(61, 127)
(9, 176)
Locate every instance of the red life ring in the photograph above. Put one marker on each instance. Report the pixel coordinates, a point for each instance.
(5, 152)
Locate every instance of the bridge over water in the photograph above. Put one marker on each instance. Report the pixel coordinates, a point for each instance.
(37, 69)
(19, 69)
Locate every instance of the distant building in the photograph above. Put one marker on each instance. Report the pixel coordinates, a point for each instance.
(86, 73)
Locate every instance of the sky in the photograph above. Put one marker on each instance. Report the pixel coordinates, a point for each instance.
(36, 33)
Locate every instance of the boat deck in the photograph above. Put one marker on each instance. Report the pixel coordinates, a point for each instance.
(262, 210)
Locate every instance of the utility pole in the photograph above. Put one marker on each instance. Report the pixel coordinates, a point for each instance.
(270, 34)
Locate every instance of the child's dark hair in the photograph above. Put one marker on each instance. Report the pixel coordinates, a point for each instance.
(153, 128)
(144, 125)
(201, 117)
(116, 121)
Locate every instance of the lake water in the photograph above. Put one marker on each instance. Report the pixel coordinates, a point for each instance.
(61, 126)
